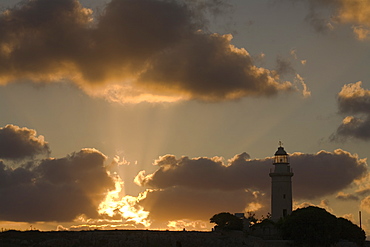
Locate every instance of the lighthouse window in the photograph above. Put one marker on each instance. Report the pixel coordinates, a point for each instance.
(281, 159)
(284, 196)
(285, 212)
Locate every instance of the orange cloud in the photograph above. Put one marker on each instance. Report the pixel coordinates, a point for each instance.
(361, 32)
(19, 143)
(365, 204)
(134, 51)
(54, 189)
(353, 12)
(353, 99)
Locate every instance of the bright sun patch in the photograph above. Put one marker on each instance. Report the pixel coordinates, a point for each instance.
(126, 207)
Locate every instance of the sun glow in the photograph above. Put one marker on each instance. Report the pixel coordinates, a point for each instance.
(253, 207)
(176, 225)
(126, 207)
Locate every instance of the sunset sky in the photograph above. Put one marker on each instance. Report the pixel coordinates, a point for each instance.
(158, 114)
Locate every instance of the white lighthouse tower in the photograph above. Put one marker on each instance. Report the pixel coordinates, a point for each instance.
(281, 185)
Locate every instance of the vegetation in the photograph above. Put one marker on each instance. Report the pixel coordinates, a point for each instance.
(227, 221)
(315, 226)
(351, 232)
(310, 226)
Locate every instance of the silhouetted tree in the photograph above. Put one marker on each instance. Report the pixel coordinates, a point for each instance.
(251, 216)
(227, 221)
(313, 226)
(267, 217)
(351, 232)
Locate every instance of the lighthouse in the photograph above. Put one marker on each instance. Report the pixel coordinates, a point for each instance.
(281, 185)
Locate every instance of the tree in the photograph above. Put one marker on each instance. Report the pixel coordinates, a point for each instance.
(311, 225)
(351, 232)
(252, 217)
(314, 226)
(227, 221)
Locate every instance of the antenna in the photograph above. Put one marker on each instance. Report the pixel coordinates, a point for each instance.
(280, 144)
(359, 215)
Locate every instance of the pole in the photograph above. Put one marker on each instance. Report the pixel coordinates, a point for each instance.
(359, 215)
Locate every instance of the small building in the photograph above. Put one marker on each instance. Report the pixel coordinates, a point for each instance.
(246, 222)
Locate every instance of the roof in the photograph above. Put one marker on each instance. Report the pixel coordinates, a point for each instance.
(280, 151)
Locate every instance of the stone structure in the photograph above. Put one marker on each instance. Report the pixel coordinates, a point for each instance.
(281, 185)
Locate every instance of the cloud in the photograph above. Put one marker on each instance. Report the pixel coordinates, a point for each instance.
(78, 187)
(213, 7)
(347, 197)
(353, 12)
(319, 24)
(134, 51)
(284, 66)
(352, 127)
(211, 69)
(208, 173)
(363, 191)
(361, 32)
(300, 80)
(243, 173)
(353, 99)
(309, 184)
(18, 143)
(365, 204)
(54, 189)
(183, 203)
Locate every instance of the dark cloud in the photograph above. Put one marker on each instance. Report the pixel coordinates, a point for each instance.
(347, 197)
(130, 32)
(54, 189)
(18, 143)
(207, 173)
(352, 127)
(324, 14)
(179, 203)
(321, 14)
(363, 192)
(210, 69)
(284, 66)
(243, 173)
(353, 99)
(40, 39)
(313, 173)
(215, 7)
(319, 24)
(137, 47)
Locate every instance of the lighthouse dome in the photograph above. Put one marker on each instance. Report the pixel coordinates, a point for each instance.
(280, 151)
